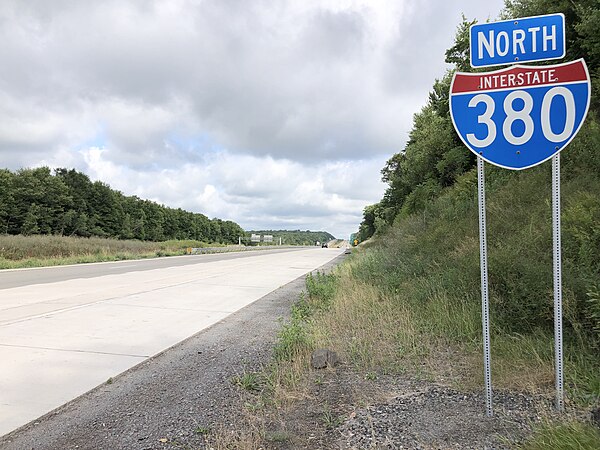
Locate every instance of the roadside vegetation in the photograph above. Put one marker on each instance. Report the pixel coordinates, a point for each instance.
(407, 304)
(423, 246)
(41, 251)
(408, 301)
(567, 436)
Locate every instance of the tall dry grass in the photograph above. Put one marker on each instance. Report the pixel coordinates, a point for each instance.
(36, 251)
(367, 327)
(376, 330)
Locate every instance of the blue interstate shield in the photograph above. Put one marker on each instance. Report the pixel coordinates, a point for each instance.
(521, 116)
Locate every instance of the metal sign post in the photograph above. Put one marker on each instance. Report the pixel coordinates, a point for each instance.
(556, 259)
(485, 304)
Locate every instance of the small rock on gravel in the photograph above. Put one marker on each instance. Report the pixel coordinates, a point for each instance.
(322, 358)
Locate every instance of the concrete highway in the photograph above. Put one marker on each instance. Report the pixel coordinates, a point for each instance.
(65, 330)
(24, 277)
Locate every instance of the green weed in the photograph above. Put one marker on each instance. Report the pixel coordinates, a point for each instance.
(321, 290)
(329, 419)
(569, 436)
(371, 376)
(251, 382)
(277, 436)
(293, 339)
(255, 406)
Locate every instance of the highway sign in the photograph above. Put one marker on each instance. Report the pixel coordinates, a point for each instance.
(520, 116)
(518, 40)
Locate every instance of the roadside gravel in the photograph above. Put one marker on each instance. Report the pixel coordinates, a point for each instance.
(169, 400)
(343, 409)
(427, 416)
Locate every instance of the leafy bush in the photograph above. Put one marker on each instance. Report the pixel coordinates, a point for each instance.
(292, 340)
(321, 288)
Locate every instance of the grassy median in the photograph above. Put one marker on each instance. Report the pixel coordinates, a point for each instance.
(39, 251)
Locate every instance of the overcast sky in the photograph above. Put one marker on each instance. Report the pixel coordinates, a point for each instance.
(273, 114)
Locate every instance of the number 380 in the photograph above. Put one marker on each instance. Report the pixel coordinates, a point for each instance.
(523, 115)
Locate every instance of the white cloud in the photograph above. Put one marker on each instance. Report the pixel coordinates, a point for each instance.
(248, 110)
(264, 192)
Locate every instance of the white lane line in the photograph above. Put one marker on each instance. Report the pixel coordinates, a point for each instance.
(124, 267)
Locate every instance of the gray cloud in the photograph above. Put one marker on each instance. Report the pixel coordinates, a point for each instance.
(159, 87)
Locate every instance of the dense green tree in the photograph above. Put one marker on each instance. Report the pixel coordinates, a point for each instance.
(433, 179)
(434, 157)
(231, 231)
(66, 222)
(104, 207)
(81, 226)
(7, 200)
(31, 221)
(201, 227)
(35, 201)
(367, 227)
(126, 228)
(153, 220)
(49, 193)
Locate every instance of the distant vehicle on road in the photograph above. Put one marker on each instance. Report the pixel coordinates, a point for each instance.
(324, 245)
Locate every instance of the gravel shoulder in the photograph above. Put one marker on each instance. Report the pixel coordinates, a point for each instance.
(342, 409)
(166, 401)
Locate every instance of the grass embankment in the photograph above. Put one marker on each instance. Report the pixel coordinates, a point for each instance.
(408, 302)
(40, 251)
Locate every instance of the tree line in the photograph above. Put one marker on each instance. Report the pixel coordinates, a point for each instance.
(66, 202)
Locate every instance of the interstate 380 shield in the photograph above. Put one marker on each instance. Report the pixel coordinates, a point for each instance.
(520, 116)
